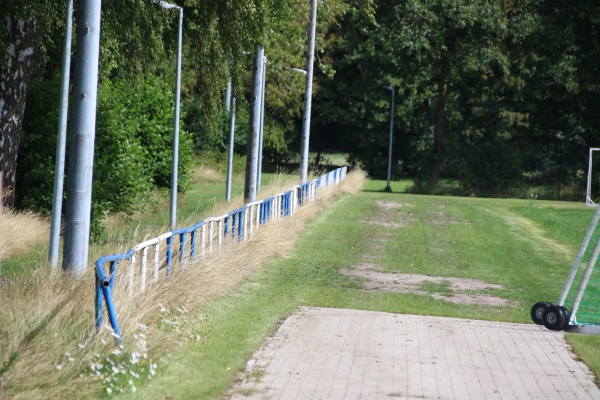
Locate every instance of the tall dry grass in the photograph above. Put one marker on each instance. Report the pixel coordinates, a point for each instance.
(19, 231)
(49, 348)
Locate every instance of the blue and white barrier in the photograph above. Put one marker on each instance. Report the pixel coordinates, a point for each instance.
(205, 237)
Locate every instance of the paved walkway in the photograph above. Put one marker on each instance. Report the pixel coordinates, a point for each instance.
(320, 353)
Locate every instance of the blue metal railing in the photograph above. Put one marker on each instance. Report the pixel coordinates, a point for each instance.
(236, 225)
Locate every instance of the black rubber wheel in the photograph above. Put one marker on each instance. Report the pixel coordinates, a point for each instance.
(537, 311)
(555, 318)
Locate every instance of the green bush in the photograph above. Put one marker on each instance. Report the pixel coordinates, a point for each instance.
(133, 146)
(35, 170)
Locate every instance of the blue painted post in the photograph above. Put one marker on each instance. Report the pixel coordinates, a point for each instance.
(169, 254)
(112, 314)
(234, 223)
(99, 298)
(182, 250)
(85, 89)
(61, 143)
(193, 243)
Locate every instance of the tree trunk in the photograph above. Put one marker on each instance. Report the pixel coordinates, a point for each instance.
(440, 120)
(21, 49)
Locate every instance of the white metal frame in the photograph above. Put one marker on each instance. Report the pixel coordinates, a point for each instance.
(588, 193)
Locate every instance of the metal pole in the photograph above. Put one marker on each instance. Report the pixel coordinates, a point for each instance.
(59, 165)
(310, 54)
(228, 96)
(253, 131)
(231, 144)
(584, 281)
(175, 165)
(588, 193)
(262, 125)
(79, 198)
(388, 188)
(579, 258)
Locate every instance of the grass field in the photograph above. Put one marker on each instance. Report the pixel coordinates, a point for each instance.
(525, 248)
(433, 255)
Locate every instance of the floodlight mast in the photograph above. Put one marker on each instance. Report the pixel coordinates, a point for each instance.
(588, 194)
(388, 188)
(61, 143)
(310, 55)
(175, 164)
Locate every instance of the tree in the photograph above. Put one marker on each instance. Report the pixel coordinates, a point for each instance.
(21, 33)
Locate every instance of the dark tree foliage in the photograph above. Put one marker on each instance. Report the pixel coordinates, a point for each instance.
(500, 94)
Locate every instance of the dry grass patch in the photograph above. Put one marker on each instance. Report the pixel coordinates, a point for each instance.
(19, 231)
(203, 173)
(49, 348)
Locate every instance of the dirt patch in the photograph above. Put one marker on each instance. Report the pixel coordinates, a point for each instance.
(392, 205)
(390, 209)
(374, 278)
(386, 224)
(454, 290)
(441, 218)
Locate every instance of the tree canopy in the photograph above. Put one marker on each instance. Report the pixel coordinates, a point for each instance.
(501, 94)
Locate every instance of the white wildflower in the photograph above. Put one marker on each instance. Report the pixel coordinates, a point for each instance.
(135, 357)
(142, 327)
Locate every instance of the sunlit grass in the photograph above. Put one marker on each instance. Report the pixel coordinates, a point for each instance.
(490, 245)
(189, 337)
(48, 345)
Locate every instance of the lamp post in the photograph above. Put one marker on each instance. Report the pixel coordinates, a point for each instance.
(310, 55)
(388, 188)
(261, 133)
(61, 143)
(83, 133)
(230, 107)
(254, 128)
(175, 165)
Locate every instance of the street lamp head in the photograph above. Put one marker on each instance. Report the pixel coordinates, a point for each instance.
(166, 5)
(299, 70)
(388, 88)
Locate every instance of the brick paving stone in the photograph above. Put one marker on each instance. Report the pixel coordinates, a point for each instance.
(320, 353)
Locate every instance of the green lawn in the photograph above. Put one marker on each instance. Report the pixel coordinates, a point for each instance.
(526, 247)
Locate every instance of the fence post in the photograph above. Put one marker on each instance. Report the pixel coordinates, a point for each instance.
(169, 254)
(143, 269)
(182, 249)
(131, 273)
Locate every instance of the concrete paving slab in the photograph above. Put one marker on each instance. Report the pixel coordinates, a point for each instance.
(320, 353)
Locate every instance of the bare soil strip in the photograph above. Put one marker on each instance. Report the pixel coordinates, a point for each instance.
(454, 290)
